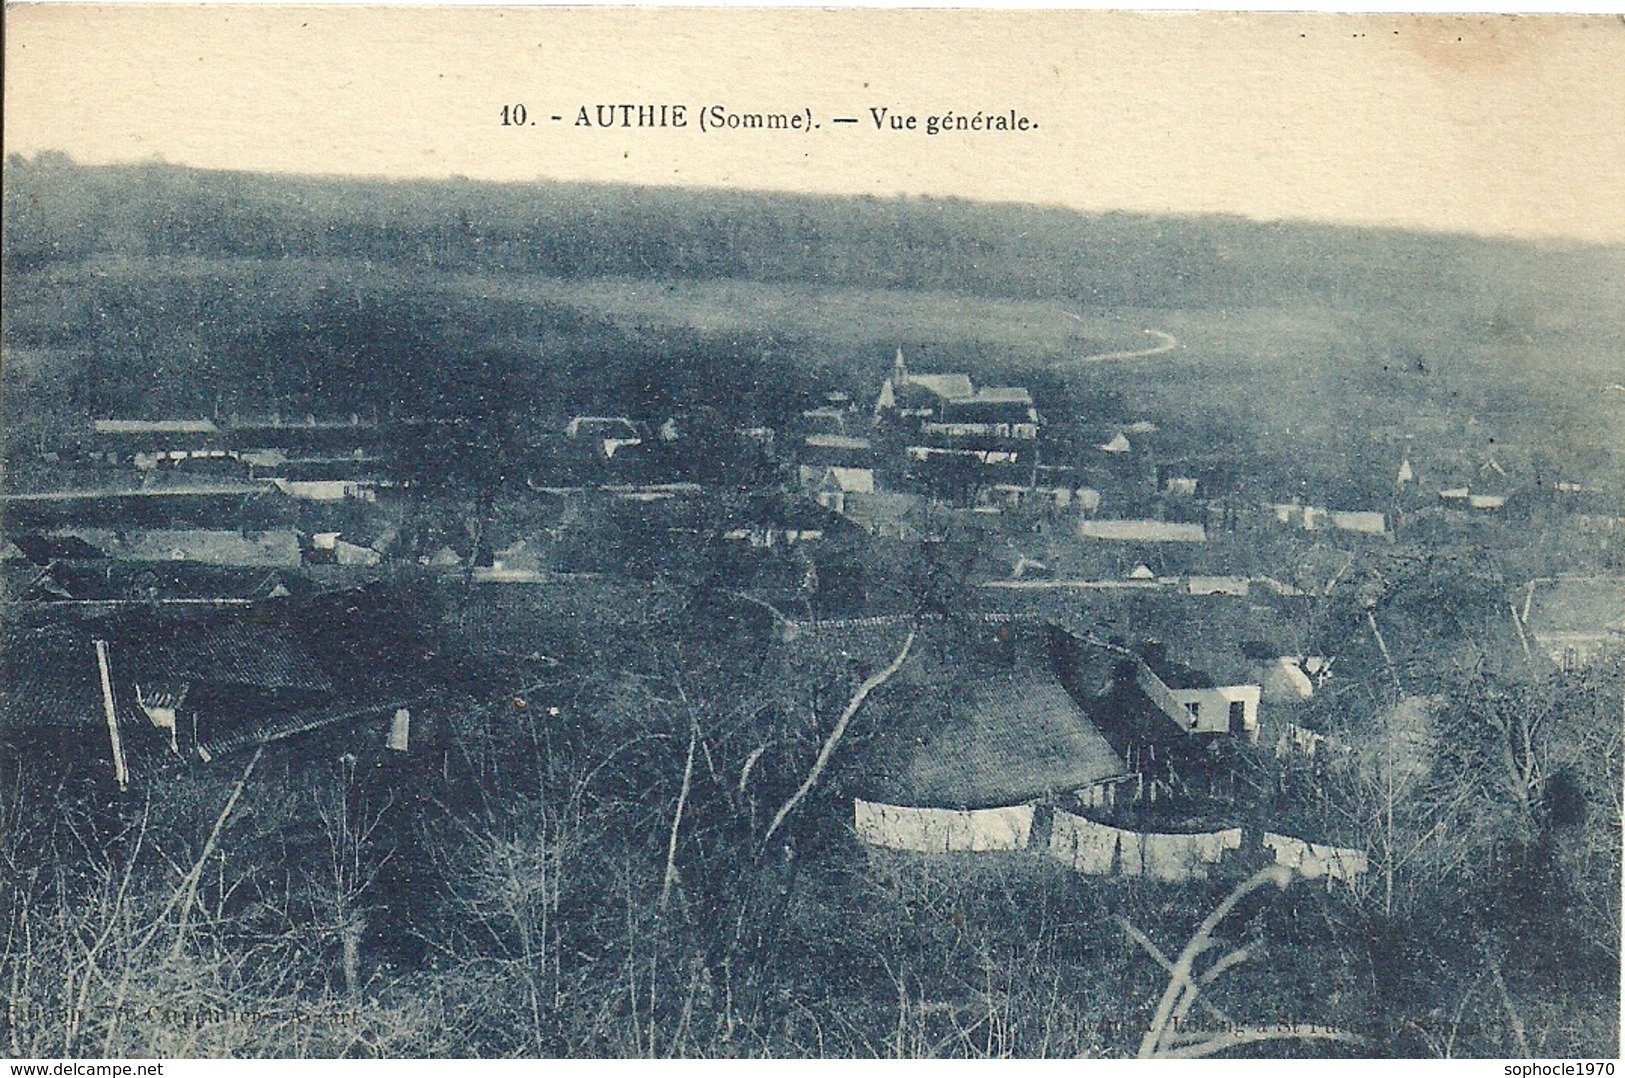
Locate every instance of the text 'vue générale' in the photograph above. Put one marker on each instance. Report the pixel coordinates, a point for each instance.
(723, 118)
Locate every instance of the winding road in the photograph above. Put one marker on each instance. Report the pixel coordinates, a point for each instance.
(1166, 342)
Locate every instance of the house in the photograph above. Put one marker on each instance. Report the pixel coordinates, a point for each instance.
(977, 716)
(359, 467)
(950, 406)
(1574, 620)
(45, 549)
(370, 645)
(824, 420)
(1318, 518)
(206, 461)
(885, 514)
(925, 454)
(123, 440)
(1191, 699)
(51, 703)
(127, 500)
(779, 522)
(907, 394)
(831, 485)
(141, 428)
(1183, 486)
(1366, 523)
(769, 537)
(761, 438)
(269, 549)
(112, 692)
(348, 553)
(23, 581)
(611, 433)
(992, 412)
(302, 435)
(989, 731)
(1141, 531)
(326, 490)
(836, 449)
(1218, 585)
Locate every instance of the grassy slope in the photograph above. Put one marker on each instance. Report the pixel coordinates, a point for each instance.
(1303, 337)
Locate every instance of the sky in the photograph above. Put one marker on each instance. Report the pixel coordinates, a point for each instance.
(1497, 125)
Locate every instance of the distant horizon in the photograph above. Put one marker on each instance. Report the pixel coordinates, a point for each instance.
(1492, 126)
(1554, 242)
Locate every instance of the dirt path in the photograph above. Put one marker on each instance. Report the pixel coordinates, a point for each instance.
(1166, 342)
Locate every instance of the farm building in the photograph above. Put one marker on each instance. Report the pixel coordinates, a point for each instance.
(1573, 620)
(119, 689)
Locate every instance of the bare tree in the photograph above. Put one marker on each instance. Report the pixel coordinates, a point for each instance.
(1165, 1039)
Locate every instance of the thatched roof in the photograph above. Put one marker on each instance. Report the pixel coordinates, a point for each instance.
(978, 716)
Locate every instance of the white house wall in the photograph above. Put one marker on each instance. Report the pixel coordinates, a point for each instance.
(1213, 707)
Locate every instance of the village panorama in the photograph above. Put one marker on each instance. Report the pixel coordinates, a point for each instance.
(457, 619)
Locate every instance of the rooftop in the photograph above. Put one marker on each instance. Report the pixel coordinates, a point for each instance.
(155, 426)
(1002, 395)
(1575, 604)
(1142, 531)
(851, 480)
(951, 387)
(978, 716)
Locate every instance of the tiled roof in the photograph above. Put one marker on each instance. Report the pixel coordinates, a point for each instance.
(48, 676)
(253, 674)
(838, 441)
(370, 641)
(1010, 739)
(880, 509)
(161, 486)
(1225, 636)
(866, 644)
(225, 652)
(211, 547)
(40, 549)
(284, 724)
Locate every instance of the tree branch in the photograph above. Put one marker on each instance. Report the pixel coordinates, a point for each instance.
(1236, 1037)
(189, 888)
(677, 817)
(870, 684)
(1179, 981)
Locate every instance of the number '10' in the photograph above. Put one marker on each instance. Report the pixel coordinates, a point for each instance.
(513, 115)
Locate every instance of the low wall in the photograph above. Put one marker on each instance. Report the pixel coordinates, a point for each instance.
(1097, 849)
(1313, 860)
(930, 830)
(1088, 846)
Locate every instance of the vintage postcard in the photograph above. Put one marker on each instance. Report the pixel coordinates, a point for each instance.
(634, 532)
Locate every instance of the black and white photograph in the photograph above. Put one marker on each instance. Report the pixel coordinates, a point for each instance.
(811, 534)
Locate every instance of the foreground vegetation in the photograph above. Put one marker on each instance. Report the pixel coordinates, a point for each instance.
(605, 879)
